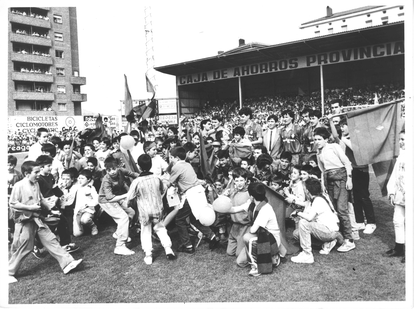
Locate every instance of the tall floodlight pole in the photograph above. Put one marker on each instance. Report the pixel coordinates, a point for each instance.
(149, 47)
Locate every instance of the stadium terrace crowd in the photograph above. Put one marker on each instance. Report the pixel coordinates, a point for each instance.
(232, 180)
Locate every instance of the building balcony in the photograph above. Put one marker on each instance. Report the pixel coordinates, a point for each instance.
(34, 113)
(77, 80)
(79, 97)
(31, 58)
(27, 20)
(32, 77)
(29, 39)
(35, 96)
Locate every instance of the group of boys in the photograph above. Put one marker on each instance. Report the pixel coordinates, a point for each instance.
(283, 157)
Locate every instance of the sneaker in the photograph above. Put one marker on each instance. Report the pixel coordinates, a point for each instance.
(360, 226)
(214, 242)
(115, 235)
(189, 249)
(355, 235)
(123, 250)
(71, 266)
(346, 246)
(254, 272)
(70, 248)
(170, 254)
(328, 246)
(276, 260)
(12, 279)
(148, 259)
(303, 257)
(94, 230)
(370, 228)
(38, 253)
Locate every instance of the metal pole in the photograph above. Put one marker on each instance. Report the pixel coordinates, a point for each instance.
(240, 94)
(322, 91)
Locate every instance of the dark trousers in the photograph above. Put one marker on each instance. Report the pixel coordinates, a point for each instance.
(362, 202)
(65, 227)
(182, 221)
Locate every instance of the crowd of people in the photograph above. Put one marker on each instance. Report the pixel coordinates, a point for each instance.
(209, 178)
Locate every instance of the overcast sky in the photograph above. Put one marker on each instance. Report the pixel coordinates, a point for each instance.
(112, 37)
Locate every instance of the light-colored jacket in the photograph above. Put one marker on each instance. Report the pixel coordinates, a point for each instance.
(396, 183)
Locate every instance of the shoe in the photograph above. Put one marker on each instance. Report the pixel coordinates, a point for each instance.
(12, 279)
(393, 252)
(328, 246)
(70, 248)
(94, 230)
(355, 235)
(170, 254)
(276, 260)
(370, 228)
(189, 250)
(148, 259)
(254, 272)
(346, 246)
(71, 266)
(303, 257)
(38, 253)
(214, 242)
(123, 250)
(115, 235)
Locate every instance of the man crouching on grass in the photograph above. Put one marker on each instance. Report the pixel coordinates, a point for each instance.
(27, 203)
(319, 220)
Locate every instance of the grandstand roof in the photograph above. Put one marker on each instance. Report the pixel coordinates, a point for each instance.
(256, 53)
(349, 12)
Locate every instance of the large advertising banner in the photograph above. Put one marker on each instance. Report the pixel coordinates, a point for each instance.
(21, 130)
(327, 58)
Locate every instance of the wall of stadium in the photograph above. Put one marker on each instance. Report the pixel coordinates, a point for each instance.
(380, 63)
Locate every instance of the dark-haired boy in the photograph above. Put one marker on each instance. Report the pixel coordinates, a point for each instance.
(27, 202)
(240, 147)
(262, 241)
(148, 189)
(240, 221)
(112, 199)
(13, 176)
(291, 136)
(193, 199)
(319, 220)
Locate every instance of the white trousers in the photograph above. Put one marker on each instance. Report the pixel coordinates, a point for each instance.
(399, 224)
(146, 235)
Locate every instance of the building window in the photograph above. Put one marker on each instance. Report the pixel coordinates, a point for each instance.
(344, 28)
(401, 14)
(330, 30)
(368, 15)
(76, 73)
(57, 19)
(401, 7)
(61, 89)
(317, 32)
(60, 71)
(58, 36)
(385, 22)
(384, 12)
(369, 23)
(59, 54)
(62, 107)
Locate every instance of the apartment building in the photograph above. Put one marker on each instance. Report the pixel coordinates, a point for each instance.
(43, 62)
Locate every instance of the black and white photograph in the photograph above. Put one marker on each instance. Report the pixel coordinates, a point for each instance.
(199, 154)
